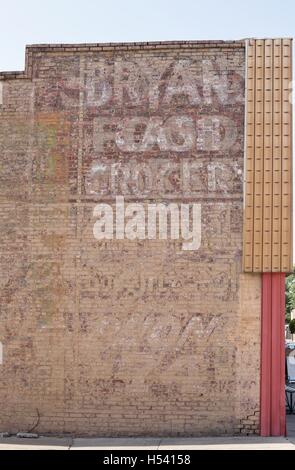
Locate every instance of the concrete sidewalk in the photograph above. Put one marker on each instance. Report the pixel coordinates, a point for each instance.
(212, 443)
(151, 443)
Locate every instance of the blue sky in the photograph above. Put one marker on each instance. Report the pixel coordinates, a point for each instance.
(76, 21)
(36, 21)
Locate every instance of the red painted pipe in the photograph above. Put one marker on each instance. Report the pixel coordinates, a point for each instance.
(282, 362)
(265, 379)
(272, 388)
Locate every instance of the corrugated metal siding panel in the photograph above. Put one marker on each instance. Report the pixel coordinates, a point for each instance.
(268, 186)
(268, 151)
(249, 171)
(286, 248)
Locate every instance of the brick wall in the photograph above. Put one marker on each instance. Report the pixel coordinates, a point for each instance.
(125, 337)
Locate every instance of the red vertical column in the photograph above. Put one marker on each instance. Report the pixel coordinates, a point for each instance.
(282, 361)
(265, 379)
(272, 406)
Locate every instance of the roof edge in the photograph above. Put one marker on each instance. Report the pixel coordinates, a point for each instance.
(113, 46)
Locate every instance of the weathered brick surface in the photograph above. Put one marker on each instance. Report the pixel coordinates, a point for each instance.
(123, 337)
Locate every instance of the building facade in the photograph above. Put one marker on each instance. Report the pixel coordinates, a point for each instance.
(113, 324)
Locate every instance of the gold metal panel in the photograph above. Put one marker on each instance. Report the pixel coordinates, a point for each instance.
(268, 172)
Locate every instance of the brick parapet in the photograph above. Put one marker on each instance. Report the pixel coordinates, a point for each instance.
(105, 47)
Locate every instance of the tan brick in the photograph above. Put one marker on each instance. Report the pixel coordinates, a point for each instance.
(124, 337)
